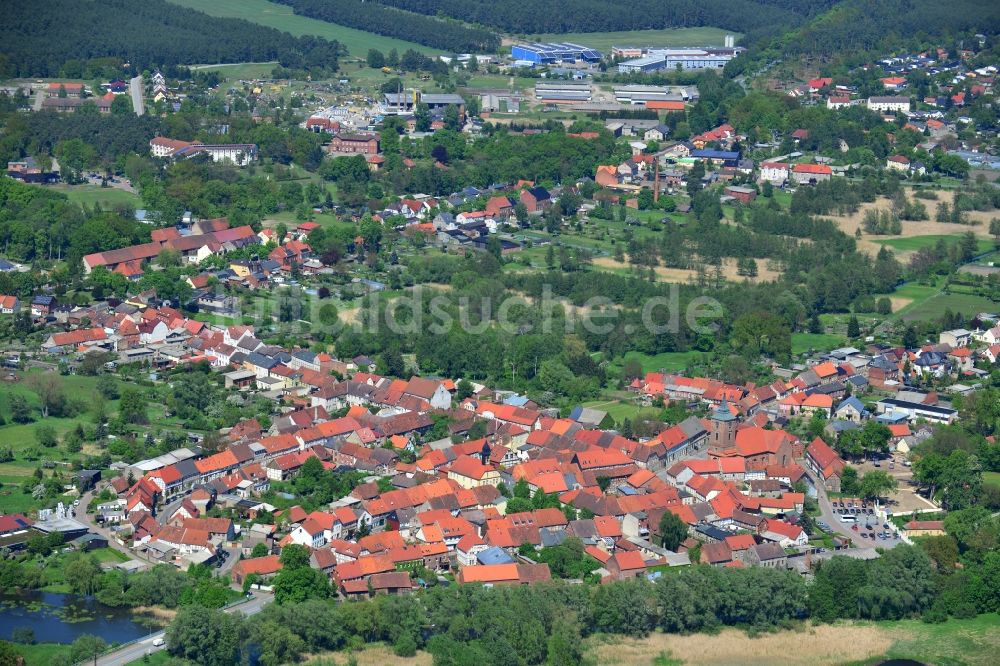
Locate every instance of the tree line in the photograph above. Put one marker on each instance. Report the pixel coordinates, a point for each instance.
(555, 16)
(394, 22)
(547, 623)
(39, 39)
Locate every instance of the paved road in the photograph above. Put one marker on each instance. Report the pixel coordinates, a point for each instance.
(135, 89)
(832, 518)
(135, 651)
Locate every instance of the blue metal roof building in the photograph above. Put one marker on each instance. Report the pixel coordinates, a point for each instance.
(546, 53)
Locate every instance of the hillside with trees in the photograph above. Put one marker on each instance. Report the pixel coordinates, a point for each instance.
(39, 39)
(558, 16)
(852, 32)
(429, 30)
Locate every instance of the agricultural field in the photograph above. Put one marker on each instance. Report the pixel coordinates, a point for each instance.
(915, 243)
(909, 294)
(972, 642)
(933, 307)
(283, 18)
(603, 41)
(928, 231)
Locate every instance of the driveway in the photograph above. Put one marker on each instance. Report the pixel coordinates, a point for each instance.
(135, 90)
(97, 528)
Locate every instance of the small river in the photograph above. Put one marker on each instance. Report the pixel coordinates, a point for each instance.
(61, 618)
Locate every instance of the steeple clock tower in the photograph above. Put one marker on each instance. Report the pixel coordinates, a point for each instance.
(722, 435)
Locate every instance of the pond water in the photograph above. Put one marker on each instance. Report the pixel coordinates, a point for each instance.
(61, 618)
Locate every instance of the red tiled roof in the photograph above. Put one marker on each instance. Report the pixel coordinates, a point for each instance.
(812, 168)
(79, 336)
(470, 467)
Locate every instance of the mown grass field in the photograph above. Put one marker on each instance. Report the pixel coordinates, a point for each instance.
(282, 18)
(620, 411)
(88, 195)
(803, 342)
(242, 70)
(603, 41)
(671, 361)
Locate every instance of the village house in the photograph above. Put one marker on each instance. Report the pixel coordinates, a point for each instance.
(825, 462)
(353, 144)
(810, 174)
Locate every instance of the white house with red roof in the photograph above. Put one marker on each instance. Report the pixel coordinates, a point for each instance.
(9, 304)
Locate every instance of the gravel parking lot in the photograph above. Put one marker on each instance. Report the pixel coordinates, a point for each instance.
(905, 499)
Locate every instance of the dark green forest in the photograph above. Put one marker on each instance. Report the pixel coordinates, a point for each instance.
(860, 26)
(516, 16)
(853, 32)
(38, 38)
(383, 20)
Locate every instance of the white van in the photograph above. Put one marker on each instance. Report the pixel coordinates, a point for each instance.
(158, 642)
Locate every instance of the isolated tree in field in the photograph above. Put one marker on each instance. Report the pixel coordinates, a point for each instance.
(20, 410)
(132, 408)
(673, 530)
(376, 59)
(45, 435)
(48, 388)
(995, 230)
(853, 328)
(632, 369)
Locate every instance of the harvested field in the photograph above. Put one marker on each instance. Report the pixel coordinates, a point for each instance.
(764, 274)
(372, 655)
(827, 644)
(850, 223)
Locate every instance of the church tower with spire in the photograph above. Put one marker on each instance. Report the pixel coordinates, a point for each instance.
(722, 434)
